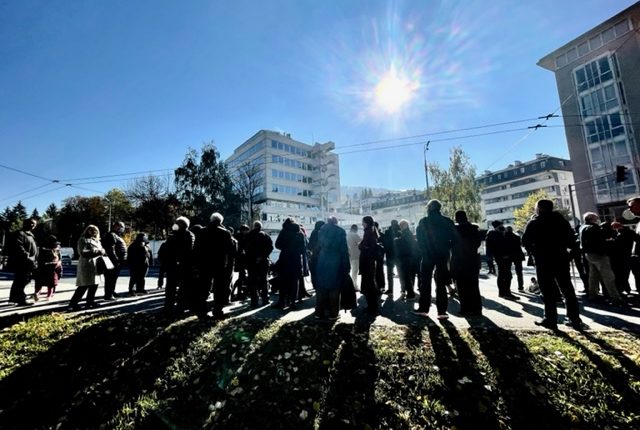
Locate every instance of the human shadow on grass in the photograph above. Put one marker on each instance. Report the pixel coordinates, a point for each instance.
(610, 320)
(511, 361)
(82, 380)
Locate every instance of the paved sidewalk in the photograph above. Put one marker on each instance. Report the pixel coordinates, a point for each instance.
(509, 314)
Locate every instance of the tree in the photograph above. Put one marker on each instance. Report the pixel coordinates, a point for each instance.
(78, 212)
(528, 209)
(35, 214)
(51, 212)
(248, 182)
(456, 187)
(121, 207)
(203, 185)
(156, 208)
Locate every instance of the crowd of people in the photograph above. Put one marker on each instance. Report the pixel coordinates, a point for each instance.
(198, 261)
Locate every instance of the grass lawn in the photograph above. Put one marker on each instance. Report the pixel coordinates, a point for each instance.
(146, 371)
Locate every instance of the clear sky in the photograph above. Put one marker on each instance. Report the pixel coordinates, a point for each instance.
(96, 88)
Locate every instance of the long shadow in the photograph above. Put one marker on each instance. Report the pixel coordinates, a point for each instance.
(625, 361)
(94, 370)
(466, 392)
(511, 361)
(499, 307)
(610, 321)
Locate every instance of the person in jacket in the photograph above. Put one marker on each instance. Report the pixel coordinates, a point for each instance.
(514, 246)
(49, 269)
(633, 204)
(138, 259)
(406, 254)
(258, 249)
(89, 249)
(465, 265)
(333, 268)
(291, 244)
(368, 255)
(176, 259)
(548, 237)
(388, 240)
(313, 250)
(240, 287)
(623, 242)
(435, 235)
(116, 250)
(213, 250)
(23, 261)
(594, 245)
(380, 278)
(353, 240)
(498, 247)
(302, 288)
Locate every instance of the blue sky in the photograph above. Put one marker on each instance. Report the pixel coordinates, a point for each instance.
(92, 88)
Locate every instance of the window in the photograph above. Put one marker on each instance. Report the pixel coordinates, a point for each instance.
(543, 164)
(593, 74)
(595, 42)
(621, 28)
(600, 100)
(583, 49)
(572, 54)
(561, 60)
(608, 35)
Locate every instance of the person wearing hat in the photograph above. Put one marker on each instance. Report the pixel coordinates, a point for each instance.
(116, 250)
(176, 256)
(138, 258)
(49, 269)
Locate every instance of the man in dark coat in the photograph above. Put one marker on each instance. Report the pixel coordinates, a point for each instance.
(258, 246)
(292, 246)
(514, 245)
(333, 268)
(116, 250)
(138, 259)
(23, 259)
(465, 265)
(213, 251)
(498, 247)
(388, 239)
(548, 237)
(435, 234)
(176, 257)
(621, 256)
(406, 254)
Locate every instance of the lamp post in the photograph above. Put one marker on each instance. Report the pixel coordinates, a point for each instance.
(426, 169)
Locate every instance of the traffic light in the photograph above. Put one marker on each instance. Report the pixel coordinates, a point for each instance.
(621, 173)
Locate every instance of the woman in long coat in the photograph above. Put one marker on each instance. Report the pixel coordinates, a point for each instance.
(89, 248)
(333, 268)
(368, 255)
(291, 244)
(465, 265)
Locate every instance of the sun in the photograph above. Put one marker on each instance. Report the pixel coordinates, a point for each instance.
(394, 91)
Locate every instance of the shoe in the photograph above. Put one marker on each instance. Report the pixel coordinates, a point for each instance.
(132, 294)
(142, 293)
(74, 308)
(443, 316)
(575, 324)
(509, 297)
(520, 288)
(24, 303)
(547, 324)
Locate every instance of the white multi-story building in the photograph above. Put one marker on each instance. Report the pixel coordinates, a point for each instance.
(506, 190)
(294, 179)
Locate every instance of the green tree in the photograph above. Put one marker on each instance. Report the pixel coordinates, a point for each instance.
(156, 208)
(203, 185)
(121, 207)
(456, 186)
(51, 212)
(78, 212)
(528, 209)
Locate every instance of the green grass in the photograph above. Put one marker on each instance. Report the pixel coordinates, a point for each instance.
(145, 371)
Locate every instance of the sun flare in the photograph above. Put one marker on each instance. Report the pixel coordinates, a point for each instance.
(394, 91)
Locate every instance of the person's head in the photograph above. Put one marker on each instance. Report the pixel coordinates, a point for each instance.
(403, 224)
(244, 229)
(51, 242)
(617, 225)
(496, 224)
(118, 227)
(590, 218)
(544, 206)
(354, 228)
(332, 220)
(183, 223)
(257, 225)
(91, 232)
(634, 205)
(367, 222)
(29, 224)
(509, 229)
(394, 224)
(434, 206)
(460, 217)
(216, 219)
(141, 237)
(319, 225)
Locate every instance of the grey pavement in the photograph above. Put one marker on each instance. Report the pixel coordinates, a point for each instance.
(497, 311)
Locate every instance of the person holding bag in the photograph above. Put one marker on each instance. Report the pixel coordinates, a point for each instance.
(89, 249)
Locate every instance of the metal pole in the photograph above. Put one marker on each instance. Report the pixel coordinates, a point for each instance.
(573, 209)
(426, 170)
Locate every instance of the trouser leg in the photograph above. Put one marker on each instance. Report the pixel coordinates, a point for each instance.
(77, 294)
(563, 278)
(504, 277)
(426, 272)
(91, 294)
(518, 266)
(549, 291)
(442, 277)
(390, 265)
(20, 281)
(333, 305)
(170, 292)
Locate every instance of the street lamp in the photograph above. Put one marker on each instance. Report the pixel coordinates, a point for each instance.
(426, 169)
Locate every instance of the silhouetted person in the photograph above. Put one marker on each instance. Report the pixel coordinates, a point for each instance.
(548, 237)
(213, 252)
(634, 207)
(406, 255)
(291, 244)
(258, 248)
(516, 255)
(87, 280)
(380, 278)
(23, 258)
(435, 234)
(621, 256)
(240, 285)
(49, 269)
(116, 250)
(313, 251)
(138, 259)
(333, 268)
(498, 246)
(465, 265)
(367, 264)
(388, 240)
(176, 258)
(353, 240)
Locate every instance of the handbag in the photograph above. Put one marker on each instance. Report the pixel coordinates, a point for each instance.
(103, 264)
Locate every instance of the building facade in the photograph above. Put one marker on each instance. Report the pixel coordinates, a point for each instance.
(291, 178)
(506, 190)
(599, 87)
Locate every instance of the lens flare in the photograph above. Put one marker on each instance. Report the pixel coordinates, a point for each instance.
(394, 91)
